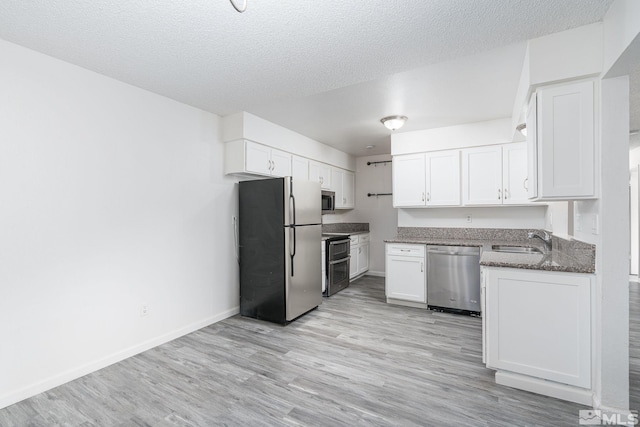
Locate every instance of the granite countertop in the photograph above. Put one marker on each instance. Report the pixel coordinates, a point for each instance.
(575, 258)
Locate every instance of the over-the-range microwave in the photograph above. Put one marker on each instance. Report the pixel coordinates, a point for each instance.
(328, 202)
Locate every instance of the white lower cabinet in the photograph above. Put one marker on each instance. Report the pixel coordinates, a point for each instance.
(538, 324)
(359, 262)
(406, 277)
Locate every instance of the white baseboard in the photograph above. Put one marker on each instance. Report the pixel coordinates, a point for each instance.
(80, 371)
(547, 388)
(375, 273)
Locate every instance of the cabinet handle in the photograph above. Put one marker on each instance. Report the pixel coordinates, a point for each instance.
(506, 193)
(344, 201)
(525, 182)
(421, 267)
(428, 197)
(359, 250)
(423, 196)
(499, 194)
(405, 250)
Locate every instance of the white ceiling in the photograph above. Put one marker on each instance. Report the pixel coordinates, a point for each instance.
(328, 69)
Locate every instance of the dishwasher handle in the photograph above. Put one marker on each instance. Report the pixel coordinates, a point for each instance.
(453, 252)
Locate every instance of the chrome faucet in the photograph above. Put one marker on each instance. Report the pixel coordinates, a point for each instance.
(542, 235)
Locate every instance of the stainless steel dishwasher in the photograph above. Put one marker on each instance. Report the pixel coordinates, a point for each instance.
(453, 278)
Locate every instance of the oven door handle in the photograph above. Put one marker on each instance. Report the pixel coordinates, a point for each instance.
(338, 242)
(340, 261)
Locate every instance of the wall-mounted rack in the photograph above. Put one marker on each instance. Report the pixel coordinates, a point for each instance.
(384, 162)
(378, 194)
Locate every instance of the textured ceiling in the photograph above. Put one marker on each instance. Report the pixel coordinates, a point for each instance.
(204, 53)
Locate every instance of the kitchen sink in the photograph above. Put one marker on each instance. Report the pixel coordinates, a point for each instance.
(515, 249)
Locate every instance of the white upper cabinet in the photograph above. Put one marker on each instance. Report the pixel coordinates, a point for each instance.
(299, 168)
(343, 184)
(443, 178)
(495, 175)
(428, 179)
(320, 172)
(409, 182)
(482, 175)
(532, 148)
(257, 159)
(514, 174)
(565, 142)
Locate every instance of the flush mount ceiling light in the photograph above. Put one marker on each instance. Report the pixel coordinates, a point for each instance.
(239, 5)
(369, 147)
(393, 122)
(522, 128)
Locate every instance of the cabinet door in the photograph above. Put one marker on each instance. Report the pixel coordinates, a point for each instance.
(299, 168)
(443, 178)
(539, 324)
(566, 128)
(257, 158)
(337, 176)
(349, 190)
(280, 163)
(353, 262)
(532, 149)
(514, 174)
(409, 180)
(363, 258)
(405, 278)
(482, 175)
(320, 172)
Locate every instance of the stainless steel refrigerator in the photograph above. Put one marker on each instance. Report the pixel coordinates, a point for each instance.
(280, 255)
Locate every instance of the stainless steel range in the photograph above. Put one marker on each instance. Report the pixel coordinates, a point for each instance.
(338, 259)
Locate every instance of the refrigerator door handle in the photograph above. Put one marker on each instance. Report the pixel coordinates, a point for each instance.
(292, 246)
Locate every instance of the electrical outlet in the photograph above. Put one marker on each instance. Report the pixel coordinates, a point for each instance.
(595, 224)
(144, 309)
(468, 218)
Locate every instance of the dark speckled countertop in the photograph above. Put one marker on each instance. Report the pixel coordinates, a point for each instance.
(566, 255)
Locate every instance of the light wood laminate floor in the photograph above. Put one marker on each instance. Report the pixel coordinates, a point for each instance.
(354, 361)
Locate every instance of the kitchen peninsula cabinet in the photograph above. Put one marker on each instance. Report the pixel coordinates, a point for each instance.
(561, 139)
(538, 326)
(427, 179)
(406, 276)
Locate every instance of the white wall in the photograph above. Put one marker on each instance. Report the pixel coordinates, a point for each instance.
(377, 211)
(111, 197)
(634, 157)
(489, 132)
(481, 217)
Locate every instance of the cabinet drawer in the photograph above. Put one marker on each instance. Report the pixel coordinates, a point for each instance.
(406, 250)
(364, 238)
